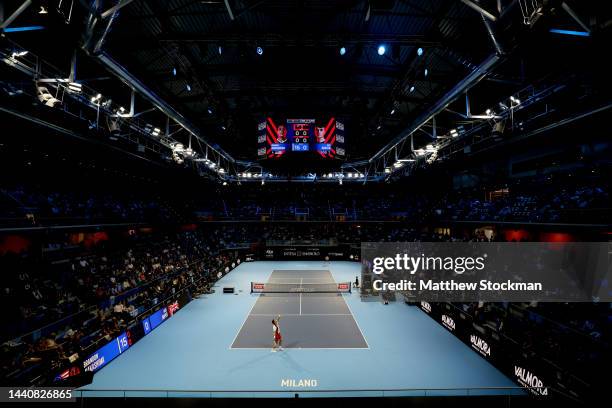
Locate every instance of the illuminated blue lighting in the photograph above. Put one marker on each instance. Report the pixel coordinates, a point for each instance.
(426, 72)
(570, 32)
(174, 71)
(381, 50)
(20, 29)
(420, 52)
(342, 51)
(188, 87)
(259, 51)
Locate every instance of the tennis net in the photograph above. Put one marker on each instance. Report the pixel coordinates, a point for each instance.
(342, 287)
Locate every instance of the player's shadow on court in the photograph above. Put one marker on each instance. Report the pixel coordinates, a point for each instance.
(284, 355)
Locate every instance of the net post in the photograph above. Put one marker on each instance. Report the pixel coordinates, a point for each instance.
(251, 288)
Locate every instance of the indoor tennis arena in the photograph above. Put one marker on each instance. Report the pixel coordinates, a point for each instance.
(298, 202)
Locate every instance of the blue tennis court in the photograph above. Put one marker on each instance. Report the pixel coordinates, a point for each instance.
(194, 353)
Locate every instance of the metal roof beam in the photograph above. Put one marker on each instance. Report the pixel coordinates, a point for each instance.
(462, 86)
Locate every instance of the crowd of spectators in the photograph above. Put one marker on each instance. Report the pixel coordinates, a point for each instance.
(33, 206)
(535, 201)
(573, 339)
(88, 298)
(576, 204)
(539, 199)
(55, 312)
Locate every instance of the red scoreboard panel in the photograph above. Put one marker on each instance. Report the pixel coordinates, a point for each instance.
(323, 138)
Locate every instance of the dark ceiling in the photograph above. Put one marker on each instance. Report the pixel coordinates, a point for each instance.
(224, 86)
(301, 71)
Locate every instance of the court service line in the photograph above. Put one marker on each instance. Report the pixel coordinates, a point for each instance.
(301, 296)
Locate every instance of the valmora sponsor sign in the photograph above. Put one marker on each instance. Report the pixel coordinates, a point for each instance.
(529, 380)
(426, 307)
(480, 345)
(448, 322)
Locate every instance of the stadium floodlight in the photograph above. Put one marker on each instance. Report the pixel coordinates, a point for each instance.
(42, 10)
(412, 89)
(406, 160)
(225, 183)
(387, 170)
(454, 133)
(221, 170)
(426, 72)
(19, 54)
(45, 97)
(515, 101)
(75, 87)
(210, 111)
(156, 132)
(381, 50)
(188, 152)
(379, 127)
(174, 71)
(419, 51)
(220, 50)
(398, 164)
(489, 112)
(342, 50)
(430, 148)
(188, 88)
(121, 109)
(259, 50)
(392, 111)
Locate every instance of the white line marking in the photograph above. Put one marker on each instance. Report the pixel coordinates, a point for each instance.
(245, 320)
(354, 318)
(303, 348)
(304, 314)
(301, 296)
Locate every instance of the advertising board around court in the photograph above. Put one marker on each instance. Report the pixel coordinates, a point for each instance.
(308, 252)
(524, 368)
(107, 353)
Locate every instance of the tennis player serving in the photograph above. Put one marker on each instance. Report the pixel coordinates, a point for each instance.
(278, 339)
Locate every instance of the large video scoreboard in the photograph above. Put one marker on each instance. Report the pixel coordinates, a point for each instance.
(322, 138)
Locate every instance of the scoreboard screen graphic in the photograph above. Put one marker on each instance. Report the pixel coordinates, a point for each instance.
(323, 138)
